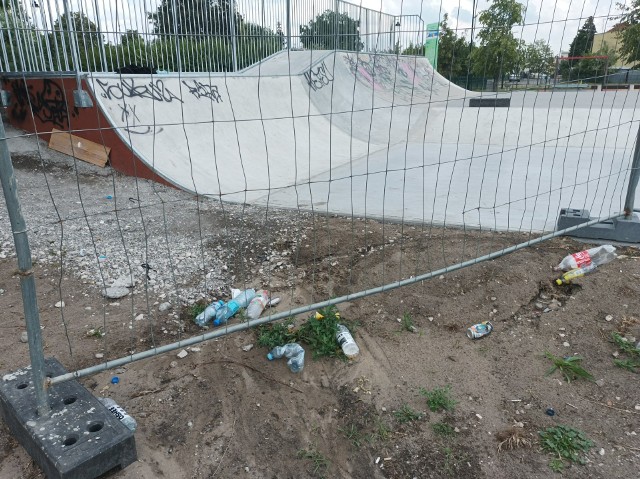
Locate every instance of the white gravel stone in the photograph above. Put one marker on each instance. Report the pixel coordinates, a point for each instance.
(24, 337)
(59, 304)
(115, 293)
(182, 354)
(164, 307)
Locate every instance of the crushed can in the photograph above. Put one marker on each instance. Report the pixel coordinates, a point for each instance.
(479, 330)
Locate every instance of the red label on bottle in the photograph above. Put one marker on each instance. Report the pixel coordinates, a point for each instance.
(582, 258)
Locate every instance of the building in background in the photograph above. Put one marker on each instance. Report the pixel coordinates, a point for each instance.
(612, 40)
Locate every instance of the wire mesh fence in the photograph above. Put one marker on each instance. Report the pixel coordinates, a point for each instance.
(285, 146)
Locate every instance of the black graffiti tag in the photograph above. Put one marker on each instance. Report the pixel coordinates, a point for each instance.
(130, 118)
(319, 77)
(127, 88)
(202, 90)
(48, 103)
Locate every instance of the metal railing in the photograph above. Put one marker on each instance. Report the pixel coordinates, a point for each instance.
(187, 35)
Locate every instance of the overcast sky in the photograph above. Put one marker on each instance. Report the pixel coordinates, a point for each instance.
(555, 21)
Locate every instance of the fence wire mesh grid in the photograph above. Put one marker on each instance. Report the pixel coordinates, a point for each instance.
(319, 150)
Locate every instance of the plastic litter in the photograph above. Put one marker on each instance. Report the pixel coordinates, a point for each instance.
(118, 412)
(598, 256)
(346, 341)
(242, 300)
(479, 330)
(209, 313)
(569, 276)
(257, 304)
(293, 351)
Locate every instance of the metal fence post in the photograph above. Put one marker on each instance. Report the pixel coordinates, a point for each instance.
(289, 25)
(27, 282)
(234, 54)
(80, 97)
(633, 179)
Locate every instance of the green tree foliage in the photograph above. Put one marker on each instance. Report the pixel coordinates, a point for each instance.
(19, 34)
(630, 33)
(499, 51)
(332, 31)
(583, 41)
(538, 57)
(453, 52)
(412, 49)
(199, 18)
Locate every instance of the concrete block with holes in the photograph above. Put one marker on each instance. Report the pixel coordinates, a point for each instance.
(80, 438)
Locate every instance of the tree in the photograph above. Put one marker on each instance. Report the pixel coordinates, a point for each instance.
(629, 27)
(131, 37)
(583, 41)
(453, 52)
(86, 31)
(332, 31)
(538, 57)
(412, 49)
(200, 18)
(498, 51)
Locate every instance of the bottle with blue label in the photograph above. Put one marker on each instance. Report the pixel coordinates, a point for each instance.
(209, 313)
(232, 307)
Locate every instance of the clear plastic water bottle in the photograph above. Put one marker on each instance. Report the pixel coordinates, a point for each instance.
(293, 351)
(346, 341)
(118, 412)
(598, 256)
(232, 307)
(257, 304)
(209, 313)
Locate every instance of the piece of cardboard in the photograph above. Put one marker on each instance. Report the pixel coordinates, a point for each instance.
(80, 148)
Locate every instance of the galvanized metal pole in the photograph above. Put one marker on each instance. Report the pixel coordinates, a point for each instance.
(27, 282)
(177, 34)
(288, 25)
(234, 54)
(103, 53)
(634, 176)
(75, 57)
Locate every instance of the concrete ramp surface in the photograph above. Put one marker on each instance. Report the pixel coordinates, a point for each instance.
(375, 134)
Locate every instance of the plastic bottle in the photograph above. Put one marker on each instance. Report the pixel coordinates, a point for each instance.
(345, 340)
(232, 307)
(293, 351)
(209, 312)
(598, 256)
(257, 304)
(569, 276)
(118, 412)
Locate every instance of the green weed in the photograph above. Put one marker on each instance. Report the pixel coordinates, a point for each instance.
(353, 434)
(276, 334)
(407, 323)
(570, 367)
(625, 346)
(443, 429)
(319, 332)
(406, 414)
(195, 309)
(566, 443)
(319, 463)
(439, 399)
(628, 364)
(382, 430)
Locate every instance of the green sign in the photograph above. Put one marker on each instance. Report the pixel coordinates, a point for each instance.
(431, 44)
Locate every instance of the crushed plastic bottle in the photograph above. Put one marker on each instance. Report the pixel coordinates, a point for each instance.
(346, 341)
(209, 313)
(293, 351)
(118, 412)
(257, 304)
(598, 256)
(569, 276)
(228, 310)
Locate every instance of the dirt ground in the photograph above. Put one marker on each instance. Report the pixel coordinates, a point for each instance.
(225, 412)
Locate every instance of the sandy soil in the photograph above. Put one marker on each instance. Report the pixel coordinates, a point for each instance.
(225, 412)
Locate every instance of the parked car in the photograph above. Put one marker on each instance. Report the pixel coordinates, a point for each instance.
(514, 78)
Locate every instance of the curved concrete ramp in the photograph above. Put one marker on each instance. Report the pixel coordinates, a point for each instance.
(379, 135)
(223, 134)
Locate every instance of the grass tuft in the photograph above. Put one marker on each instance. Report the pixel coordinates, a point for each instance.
(512, 438)
(439, 399)
(570, 367)
(406, 414)
(319, 463)
(443, 429)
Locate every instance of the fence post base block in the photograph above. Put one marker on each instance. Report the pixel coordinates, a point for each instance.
(624, 230)
(82, 99)
(80, 438)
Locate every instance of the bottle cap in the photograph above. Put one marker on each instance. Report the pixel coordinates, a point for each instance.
(270, 356)
(216, 322)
